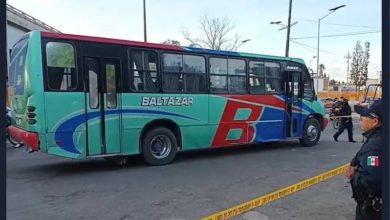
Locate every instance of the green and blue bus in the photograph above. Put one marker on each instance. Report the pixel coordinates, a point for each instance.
(82, 97)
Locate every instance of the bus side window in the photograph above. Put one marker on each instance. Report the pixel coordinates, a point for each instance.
(61, 66)
(195, 74)
(256, 77)
(236, 76)
(172, 72)
(218, 75)
(308, 92)
(143, 71)
(273, 78)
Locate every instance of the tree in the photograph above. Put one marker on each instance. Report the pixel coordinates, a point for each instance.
(216, 34)
(171, 42)
(332, 82)
(359, 65)
(366, 61)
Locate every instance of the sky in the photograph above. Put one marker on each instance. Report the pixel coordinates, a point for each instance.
(123, 19)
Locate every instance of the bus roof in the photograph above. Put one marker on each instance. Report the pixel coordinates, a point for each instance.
(164, 46)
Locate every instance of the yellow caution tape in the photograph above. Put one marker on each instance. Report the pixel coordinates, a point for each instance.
(270, 197)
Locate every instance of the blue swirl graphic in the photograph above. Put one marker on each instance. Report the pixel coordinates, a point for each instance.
(65, 131)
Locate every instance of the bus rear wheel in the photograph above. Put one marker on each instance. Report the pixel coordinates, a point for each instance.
(311, 132)
(159, 146)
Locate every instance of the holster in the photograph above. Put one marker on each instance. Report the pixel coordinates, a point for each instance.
(366, 201)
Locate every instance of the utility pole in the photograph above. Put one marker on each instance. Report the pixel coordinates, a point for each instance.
(348, 57)
(145, 39)
(288, 29)
(318, 38)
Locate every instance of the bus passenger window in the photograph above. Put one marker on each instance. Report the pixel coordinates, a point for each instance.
(143, 71)
(184, 73)
(218, 75)
(273, 78)
(194, 74)
(172, 72)
(236, 76)
(61, 66)
(256, 77)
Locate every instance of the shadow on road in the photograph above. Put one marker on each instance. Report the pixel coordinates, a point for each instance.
(64, 166)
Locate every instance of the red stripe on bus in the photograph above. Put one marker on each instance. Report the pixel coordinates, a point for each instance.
(110, 41)
(260, 99)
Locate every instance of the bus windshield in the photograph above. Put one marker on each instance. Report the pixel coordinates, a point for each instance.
(374, 92)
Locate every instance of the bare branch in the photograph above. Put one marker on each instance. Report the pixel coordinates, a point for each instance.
(215, 34)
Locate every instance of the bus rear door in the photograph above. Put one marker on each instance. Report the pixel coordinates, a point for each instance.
(102, 105)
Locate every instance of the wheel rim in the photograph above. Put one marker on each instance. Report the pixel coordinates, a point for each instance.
(312, 132)
(160, 146)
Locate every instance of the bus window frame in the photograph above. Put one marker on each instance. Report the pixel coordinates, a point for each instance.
(126, 78)
(282, 77)
(249, 77)
(227, 74)
(206, 73)
(79, 85)
(302, 95)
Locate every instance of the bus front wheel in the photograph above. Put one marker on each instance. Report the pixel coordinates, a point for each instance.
(311, 132)
(159, 146)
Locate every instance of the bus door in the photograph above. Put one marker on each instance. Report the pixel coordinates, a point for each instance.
(102, 105)
(293, 103)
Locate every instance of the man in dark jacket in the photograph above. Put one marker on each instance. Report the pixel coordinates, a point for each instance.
(345, 120)
(364, 171)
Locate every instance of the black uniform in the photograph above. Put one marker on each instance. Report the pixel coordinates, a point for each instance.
(345, 122)
(366, 182)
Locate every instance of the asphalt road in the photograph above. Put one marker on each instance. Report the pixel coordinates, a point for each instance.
(195, 185)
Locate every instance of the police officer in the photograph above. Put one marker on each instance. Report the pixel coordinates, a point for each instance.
(345, 120)
(364, 170)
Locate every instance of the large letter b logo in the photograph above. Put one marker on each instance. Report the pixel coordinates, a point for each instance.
(232, 121)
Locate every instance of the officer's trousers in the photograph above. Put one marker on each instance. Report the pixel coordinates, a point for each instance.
(367, 213)
(345, 125)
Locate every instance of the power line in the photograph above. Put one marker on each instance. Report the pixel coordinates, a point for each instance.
(338, 35)
(311, 48)
(349, 25)
(346, 25)
(304, 46)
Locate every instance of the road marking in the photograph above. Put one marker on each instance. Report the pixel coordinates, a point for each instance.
(273, 196)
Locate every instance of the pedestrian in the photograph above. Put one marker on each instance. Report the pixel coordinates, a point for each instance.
(364, 171)
(345, 112)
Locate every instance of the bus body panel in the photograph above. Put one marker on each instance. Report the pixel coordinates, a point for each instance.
(187, 111)
(26, 88)
(65, 122)
(68, 127)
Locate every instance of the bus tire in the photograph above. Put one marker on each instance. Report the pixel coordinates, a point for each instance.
(311, 132)
(159, 146)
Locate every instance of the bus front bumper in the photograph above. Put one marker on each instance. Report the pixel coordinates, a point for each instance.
(30, 139)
